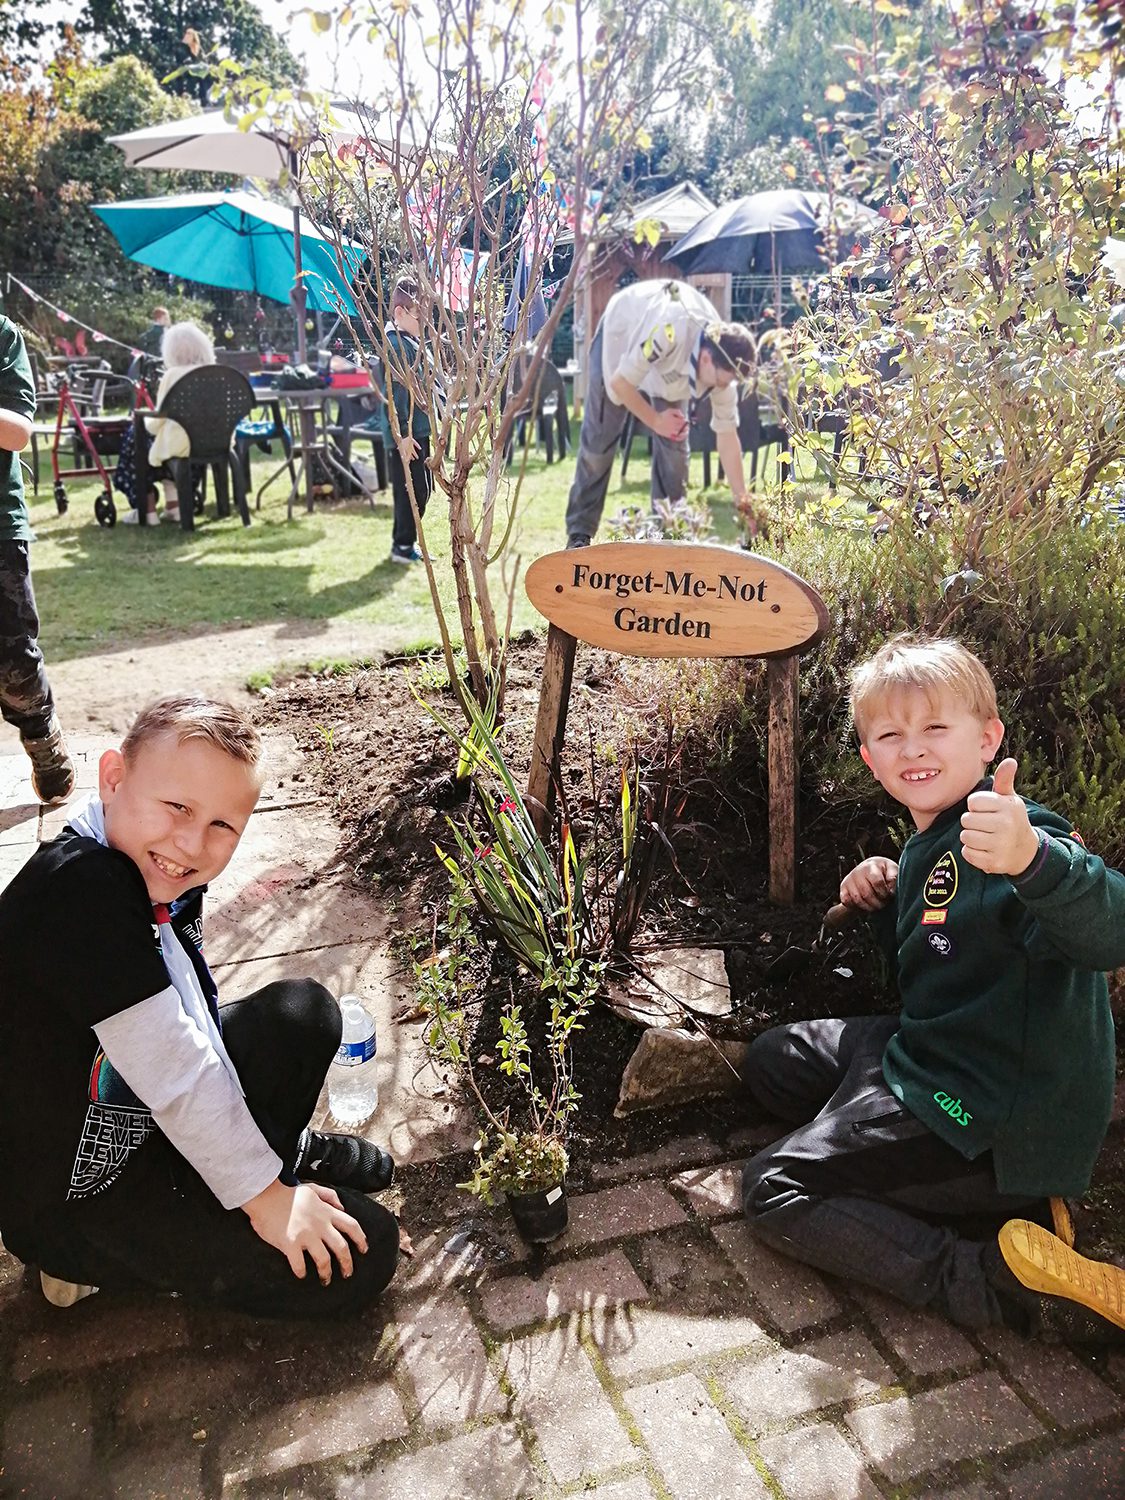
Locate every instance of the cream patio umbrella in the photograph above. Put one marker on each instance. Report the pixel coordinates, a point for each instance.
(210, 142)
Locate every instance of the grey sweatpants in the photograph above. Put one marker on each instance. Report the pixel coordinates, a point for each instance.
(603, 422)
(861, 1188)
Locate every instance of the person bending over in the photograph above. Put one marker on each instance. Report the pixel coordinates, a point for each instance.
(659, 343)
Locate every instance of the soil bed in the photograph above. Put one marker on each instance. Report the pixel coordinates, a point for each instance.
(388, 770)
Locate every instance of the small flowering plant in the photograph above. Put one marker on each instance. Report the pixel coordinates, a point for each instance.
(521, 1147)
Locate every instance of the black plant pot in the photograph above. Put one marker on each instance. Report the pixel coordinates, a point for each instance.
(539, 1216)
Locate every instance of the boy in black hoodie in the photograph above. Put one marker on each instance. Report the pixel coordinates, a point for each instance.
(991, 1092)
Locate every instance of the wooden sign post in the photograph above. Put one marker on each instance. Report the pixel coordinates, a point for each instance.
(668, 599)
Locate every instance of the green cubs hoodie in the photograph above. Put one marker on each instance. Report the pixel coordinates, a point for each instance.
(1005, 1040)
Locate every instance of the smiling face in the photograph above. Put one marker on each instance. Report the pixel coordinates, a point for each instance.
(177, 810)
(929, 751)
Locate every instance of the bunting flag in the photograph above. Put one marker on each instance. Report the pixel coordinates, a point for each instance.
(456, 269)
(68, 317)
(537, 116)
(458, 277)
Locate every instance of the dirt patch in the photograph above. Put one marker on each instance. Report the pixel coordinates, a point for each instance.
(388, 769)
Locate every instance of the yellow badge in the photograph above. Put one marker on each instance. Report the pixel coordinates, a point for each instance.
(933, 918)
(941, 882)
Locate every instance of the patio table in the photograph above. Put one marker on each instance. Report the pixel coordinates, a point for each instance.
(315, 444)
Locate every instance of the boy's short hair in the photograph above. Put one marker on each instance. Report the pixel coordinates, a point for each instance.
(160, 315)
(187, 717)
(731, 347)
(405, 293)
(918, 661)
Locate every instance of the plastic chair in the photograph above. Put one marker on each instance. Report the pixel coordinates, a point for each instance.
(754, 433)
(251, 434)
(209, 403)
(355, 422)
(545, 405)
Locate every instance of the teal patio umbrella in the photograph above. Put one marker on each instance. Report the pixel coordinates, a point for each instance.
(234, 240)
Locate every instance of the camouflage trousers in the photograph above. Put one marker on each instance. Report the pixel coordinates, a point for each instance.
(25, 693)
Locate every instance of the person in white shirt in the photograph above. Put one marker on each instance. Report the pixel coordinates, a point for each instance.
(658, 345)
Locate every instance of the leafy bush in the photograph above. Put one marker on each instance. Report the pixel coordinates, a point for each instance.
(1045, 610)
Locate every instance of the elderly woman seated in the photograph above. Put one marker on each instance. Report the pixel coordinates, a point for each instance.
(184, 347)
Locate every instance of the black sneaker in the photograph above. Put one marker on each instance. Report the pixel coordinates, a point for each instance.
(52, 770)
(406, 555)
(579, 539)
(345, 1161)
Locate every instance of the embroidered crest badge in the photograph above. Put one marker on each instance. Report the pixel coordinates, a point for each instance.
(941, 882)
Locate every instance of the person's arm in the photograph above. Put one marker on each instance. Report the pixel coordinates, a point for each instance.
(17, 391)
(730, 456)
(671, 423)
(306, 1220)
(15, 430)
(871, 885)
(399, 394)
(172, 1067)
(1077, 903)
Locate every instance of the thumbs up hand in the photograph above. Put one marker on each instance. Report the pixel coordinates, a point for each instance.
(996, 834)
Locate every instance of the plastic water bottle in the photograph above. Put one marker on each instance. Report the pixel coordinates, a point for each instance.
(353, 1090)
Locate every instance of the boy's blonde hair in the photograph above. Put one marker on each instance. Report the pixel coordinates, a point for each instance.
(189, 717)
(934, 666)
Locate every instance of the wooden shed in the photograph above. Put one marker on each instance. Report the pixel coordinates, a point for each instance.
(618, 258)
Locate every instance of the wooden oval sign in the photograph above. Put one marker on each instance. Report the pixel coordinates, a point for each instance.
(672, 599)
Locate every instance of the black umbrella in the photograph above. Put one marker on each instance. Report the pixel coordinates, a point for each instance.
(779, 231)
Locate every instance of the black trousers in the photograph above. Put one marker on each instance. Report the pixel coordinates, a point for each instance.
(404, 533)
(160, 1227)
(25, 693)
(862, 1188)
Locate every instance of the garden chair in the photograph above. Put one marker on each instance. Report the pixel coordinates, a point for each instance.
(764, 421)
(355, 420)
(262, 435)
(209, 403)
(545, 405)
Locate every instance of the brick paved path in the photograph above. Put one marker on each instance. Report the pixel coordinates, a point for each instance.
(654, 1353)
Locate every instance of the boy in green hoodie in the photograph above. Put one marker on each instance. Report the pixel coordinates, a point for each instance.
(928, 1145)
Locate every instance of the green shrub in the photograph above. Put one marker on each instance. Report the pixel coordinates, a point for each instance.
(1044, 608)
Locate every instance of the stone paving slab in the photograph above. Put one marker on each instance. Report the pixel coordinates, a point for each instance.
(654, 1352)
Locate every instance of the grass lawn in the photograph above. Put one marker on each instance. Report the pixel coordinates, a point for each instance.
(100, 588)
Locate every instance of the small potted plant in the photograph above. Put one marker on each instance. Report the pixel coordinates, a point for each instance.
(530, 1171)
(521, 1150)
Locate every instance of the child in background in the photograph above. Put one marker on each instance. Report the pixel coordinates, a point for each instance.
(928, 1144)
(409, 378)
(149, 1138)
